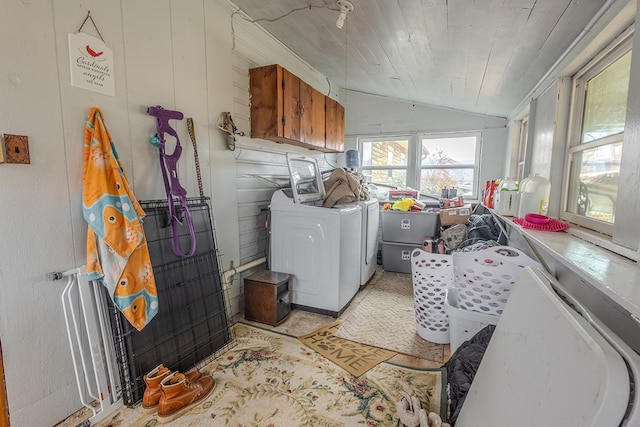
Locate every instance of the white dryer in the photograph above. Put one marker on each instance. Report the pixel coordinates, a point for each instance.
(370, 228)
(320, 247)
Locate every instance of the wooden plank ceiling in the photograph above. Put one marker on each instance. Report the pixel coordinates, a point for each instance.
(481, 56)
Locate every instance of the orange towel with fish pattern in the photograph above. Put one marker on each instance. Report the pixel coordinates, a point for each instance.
(117, 252)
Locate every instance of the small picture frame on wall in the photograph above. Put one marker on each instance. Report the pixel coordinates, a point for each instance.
(16, 149)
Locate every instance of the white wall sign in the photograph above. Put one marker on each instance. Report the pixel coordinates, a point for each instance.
(91, 64)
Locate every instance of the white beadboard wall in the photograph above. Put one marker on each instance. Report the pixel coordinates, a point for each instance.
(174, 53)
(181, 54)
(260, 165)
(373, 115)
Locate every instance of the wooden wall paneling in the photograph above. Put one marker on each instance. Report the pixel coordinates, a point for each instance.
(148, 51)
(334, 125)
(257, 170)
(54, 180)
(255, 194)
(75, 102)
(240, 110)
(254, 223)
(190, 74)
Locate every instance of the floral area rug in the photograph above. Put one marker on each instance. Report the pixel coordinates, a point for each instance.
(270, 379)
(386, 318)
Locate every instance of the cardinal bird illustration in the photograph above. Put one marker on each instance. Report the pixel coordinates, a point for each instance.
(93, 53)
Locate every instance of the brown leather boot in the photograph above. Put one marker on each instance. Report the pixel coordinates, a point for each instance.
(153, 391)
(179, 394)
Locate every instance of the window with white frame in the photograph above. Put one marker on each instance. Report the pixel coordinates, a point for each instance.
(427, 162)
(599, 108)
(522, 148)
(385, 161)
(449, 160)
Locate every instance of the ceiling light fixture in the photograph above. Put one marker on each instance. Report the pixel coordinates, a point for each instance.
(345, 7)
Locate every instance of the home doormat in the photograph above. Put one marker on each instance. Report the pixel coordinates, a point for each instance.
(351, 356)
(386, 318)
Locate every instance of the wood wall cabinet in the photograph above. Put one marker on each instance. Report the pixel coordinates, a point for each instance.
(312, 116)
(334, 125)
(286, 109)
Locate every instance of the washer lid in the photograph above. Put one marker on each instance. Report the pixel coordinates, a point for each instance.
(305, 178)
(546, 366)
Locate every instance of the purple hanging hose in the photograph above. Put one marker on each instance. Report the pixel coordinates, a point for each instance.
(169, 166)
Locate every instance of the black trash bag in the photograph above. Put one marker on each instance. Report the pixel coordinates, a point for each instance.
(462, 368)
(482, 228)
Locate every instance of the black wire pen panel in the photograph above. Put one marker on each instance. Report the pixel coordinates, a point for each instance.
(159, 233)
(192, 322)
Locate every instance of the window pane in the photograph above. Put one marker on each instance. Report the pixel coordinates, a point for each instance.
(385, 153)
(448, 151)
(594, 182)
(434, 180)
(606, 100)
(387, 177)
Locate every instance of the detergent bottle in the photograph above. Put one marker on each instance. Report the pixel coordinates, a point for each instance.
(534, 195)
(489, 192)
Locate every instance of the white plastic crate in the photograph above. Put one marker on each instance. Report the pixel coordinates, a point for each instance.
(484, 278)
(432, 274)
(464, 324)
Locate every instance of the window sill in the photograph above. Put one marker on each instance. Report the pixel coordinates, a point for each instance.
(603, 241)
(588, 255)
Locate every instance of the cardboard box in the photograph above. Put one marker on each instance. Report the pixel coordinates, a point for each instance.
(455, 215)
(451, 203)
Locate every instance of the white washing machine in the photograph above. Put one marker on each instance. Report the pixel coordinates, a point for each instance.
(320, 247)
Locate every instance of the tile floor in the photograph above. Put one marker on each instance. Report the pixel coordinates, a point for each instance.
(299, 323)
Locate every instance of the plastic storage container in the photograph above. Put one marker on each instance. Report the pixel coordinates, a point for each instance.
(507, 202)
(506, 198)
(396, 257)
(464, 324)
(432, 274)
(534, 195)
(409, 227)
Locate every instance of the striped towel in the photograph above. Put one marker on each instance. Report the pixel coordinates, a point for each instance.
(117, 253)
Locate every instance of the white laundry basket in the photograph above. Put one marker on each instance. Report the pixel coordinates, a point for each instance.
(432, 274)
(484, 278)
(464, 324)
